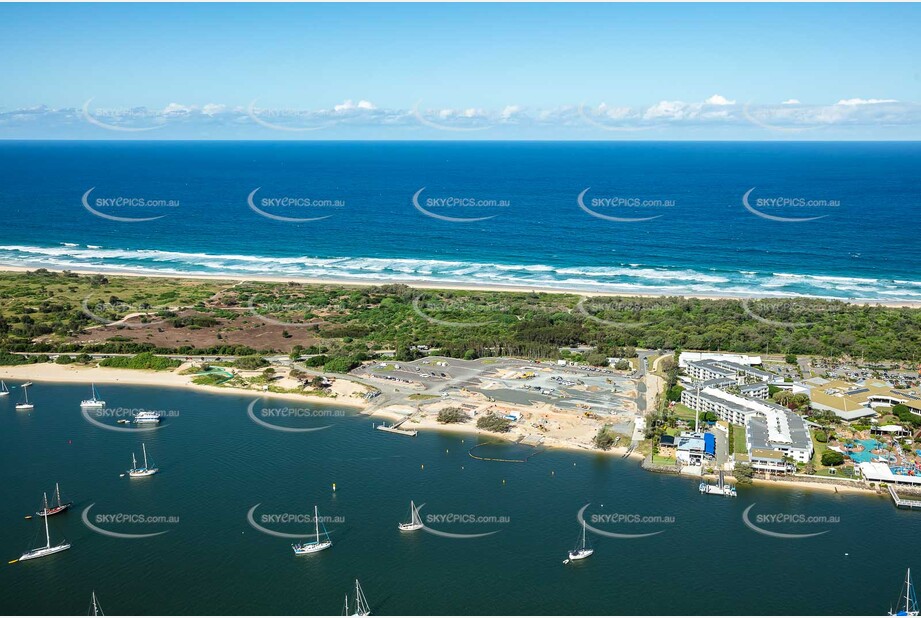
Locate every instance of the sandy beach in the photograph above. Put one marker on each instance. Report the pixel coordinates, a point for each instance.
(347, 393)
(423, 284)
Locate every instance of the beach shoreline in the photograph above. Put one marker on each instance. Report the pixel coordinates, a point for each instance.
(434, 284)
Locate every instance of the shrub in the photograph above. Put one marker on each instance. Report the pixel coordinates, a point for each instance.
(832, 458)
(144, 360)
(452, 415)
(250, 362)
(493, 422)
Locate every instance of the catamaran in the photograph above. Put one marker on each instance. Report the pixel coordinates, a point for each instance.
(24, 404)
(54, 510)
(414, 523)
(582, 550)
(911, 601)
(94, 401)
(361, 603)
(48, 549)
(4, 389)
(146, 418)
(312, 547)
(147, 470)
(95, 609)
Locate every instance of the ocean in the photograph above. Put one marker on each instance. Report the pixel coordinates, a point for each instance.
(217, 465)
(834, 220)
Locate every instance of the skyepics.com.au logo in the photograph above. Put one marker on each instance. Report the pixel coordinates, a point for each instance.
(459, 208)
(457, 312)
(291, 420)
(127, 208)
(621, 312)
(127, 419)
(623, 525)
(117, 312)
(294, 208)
(787, 204)
(786, 525)
(789, 313)
(122, 525)
(305, 524)
(623, 208)
(454, 525)
(294, 314)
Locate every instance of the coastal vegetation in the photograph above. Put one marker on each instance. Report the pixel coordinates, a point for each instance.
(43, 311)
(493, 422)
(452, 414)
(145, 360)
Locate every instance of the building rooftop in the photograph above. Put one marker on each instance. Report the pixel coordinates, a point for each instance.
(778, 427)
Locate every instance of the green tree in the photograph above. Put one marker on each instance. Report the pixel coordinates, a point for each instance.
(493, 422)
(452, 415)
(832, 458)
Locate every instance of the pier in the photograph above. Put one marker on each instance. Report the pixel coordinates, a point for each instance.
(395, 428)
(903, 503)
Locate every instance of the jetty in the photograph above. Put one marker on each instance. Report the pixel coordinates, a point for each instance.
(395, 428)
(903, 503)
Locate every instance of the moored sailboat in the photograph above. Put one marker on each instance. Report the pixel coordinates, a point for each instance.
(414, 523)
(4, 389)
(54, 510)
(48, 549)
(911, 601)
(94, 401)
(361, 603)
(582, 550)
(312, 547)
(147, 470)
(24, 404)
(95, 609)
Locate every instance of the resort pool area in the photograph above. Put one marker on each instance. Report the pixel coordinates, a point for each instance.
(865, 455)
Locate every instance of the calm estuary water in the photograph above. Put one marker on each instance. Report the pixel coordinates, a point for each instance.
(216, 463)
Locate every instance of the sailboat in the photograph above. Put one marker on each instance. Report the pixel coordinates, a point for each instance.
(361, 603)
(24, 404)
(312, 547)
(582, 550)
(911, 602)
(415, 522)
(4, 389)
(94, 401)
(146, 470)
(95, 609)
(48, 549)
(54, 510)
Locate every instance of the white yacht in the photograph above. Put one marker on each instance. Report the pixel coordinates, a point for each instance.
(4, 389)
(94, 401)
(361, 603)
(312, 547)
(147, 470)
(146, 418)
(582, 550)
(48, 549)
(414, 523)
(24, 405)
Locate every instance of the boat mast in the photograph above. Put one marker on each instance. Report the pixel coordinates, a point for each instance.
(57, 490)
(134, 462)
(316, 521)
(47, 534)
(908, 591)
(583, 534)
(144, 448)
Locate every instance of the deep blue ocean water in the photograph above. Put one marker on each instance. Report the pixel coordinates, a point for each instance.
(703, 239)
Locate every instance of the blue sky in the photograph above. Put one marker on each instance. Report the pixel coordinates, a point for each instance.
(474, 71)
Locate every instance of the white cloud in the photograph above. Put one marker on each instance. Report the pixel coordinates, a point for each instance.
(175, 109)
(349, 105)
(667, 110)
(510, 110)
(211, 109)
(791, 102)
(864, 101)
(719, 99)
